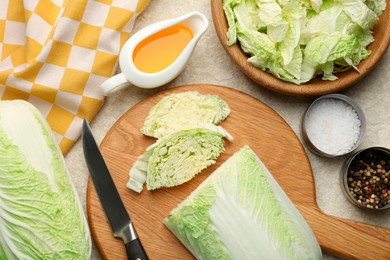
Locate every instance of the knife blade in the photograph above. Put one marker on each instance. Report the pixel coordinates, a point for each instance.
(119, 219)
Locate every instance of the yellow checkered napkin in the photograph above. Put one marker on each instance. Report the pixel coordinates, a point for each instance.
(56, 53)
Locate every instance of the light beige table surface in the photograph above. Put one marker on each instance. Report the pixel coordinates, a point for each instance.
(211, 65)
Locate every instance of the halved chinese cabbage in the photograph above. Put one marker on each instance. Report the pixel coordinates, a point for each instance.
(181, 110)
(240, 212)
(40, 214)
(177, 157)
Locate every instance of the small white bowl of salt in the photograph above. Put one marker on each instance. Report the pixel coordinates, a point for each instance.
(333, 125)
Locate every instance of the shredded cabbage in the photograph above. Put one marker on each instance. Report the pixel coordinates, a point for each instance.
(240, 212)
(298, 39)
(40, 214)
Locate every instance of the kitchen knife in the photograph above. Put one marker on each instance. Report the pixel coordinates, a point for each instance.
(110, 199)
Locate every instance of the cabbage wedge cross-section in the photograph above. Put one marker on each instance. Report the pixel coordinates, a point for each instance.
(184, 109)
(240, 212)
(178, 157)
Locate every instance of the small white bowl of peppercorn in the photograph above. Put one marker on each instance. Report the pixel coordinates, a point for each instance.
(366, 178)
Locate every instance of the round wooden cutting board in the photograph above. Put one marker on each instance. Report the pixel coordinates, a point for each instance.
(252, 123)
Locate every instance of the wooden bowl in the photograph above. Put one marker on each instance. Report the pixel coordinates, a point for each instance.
(316, 86)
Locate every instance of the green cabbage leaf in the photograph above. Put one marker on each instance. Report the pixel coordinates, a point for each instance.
(240, 212)
(40, 214)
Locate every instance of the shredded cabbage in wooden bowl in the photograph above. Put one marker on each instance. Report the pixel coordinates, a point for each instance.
(300, 47)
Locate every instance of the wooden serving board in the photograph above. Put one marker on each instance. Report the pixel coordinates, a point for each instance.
(250, 122)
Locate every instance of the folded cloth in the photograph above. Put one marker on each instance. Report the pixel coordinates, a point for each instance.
(56, 53)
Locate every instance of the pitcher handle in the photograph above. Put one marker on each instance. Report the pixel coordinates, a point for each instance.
(114, 83)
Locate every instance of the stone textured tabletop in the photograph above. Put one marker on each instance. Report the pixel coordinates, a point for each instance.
(211, 65)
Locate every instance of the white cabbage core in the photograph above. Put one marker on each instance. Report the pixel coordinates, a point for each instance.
(237, 228)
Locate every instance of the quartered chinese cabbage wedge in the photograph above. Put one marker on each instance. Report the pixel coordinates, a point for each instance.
(176, 158)
(40, 214)
(240, 212)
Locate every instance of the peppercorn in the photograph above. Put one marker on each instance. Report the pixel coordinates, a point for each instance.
(367, 179)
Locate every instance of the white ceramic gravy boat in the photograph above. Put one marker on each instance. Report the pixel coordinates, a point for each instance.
(195, 21)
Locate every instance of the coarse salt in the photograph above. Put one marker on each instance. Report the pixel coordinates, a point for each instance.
(333, 126)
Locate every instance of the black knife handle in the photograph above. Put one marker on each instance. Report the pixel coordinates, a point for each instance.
(135, 250)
